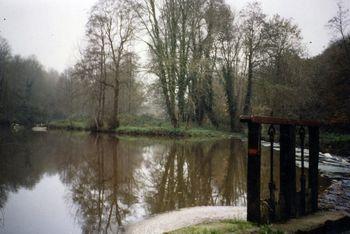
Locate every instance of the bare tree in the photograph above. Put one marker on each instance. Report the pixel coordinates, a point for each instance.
(340, 24)
(121, 22)
(110, 29)
(161, 26)
(252, 27)
(229, 43)
(98, 43)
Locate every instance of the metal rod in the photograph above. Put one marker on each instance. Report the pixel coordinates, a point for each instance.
(272, 187)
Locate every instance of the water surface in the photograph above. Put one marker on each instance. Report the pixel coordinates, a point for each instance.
(73, 182)
(76, 182)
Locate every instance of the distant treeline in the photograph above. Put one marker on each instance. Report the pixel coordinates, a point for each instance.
(27, 91)
(29, 94)
(211, 64)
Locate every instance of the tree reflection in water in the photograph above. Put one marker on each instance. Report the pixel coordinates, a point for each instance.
(198, 174)
(102, 186)
(113, 181)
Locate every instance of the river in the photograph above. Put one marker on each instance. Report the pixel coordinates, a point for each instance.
(76, 182)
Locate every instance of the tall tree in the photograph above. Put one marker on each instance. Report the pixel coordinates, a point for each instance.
(98, 52)
(120, 27)
(229, 43)
(161, 26)
(252, 26)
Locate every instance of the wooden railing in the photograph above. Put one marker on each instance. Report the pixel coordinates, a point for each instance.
(290, 202)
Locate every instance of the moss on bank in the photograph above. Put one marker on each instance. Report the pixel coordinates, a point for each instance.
(223, 227)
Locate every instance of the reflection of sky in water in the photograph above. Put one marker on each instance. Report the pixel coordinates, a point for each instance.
(143, 175)
(42, 209)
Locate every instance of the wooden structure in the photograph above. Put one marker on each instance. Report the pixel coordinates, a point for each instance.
(291, 203)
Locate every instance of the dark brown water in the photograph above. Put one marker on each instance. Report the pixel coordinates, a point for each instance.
(66, 182)
(75, 182)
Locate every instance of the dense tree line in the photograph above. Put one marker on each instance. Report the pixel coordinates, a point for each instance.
(202, 48)
(26, 89)
(30, 94)
(206, 54)
(211, 64)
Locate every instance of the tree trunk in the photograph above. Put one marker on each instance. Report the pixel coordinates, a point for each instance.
(115, 119)
(168, 96)
(209, 101)
(228, 79)
(247, 103)
(183, 57)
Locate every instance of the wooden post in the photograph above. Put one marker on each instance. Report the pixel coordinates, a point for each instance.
(253, 179)
(313, 166)
(287, 172)
(287, 187)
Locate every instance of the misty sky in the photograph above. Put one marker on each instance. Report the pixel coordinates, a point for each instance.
(52, 30)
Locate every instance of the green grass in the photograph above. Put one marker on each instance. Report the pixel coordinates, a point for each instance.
(69, 124)
(144, 126)
(142, 121)
(225, 226)
(170, 131)
(150, 126)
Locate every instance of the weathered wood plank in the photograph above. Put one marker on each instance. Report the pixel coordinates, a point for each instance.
(253, 178)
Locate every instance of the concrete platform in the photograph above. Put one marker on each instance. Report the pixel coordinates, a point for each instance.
(320, 222)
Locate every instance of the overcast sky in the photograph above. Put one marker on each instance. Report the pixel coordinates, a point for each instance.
(53, 29)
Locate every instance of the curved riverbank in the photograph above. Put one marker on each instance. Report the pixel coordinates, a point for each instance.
(186, 217)
(163, 131)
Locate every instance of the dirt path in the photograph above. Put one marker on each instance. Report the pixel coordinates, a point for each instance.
(185, 217)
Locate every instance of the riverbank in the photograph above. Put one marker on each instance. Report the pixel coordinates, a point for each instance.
(334, 143)
(225, 226)
(154, 129)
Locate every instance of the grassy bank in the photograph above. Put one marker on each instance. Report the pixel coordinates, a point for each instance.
(170, 131)
(80, 125)
(223, 227)
(146, 126)
(144, 129)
